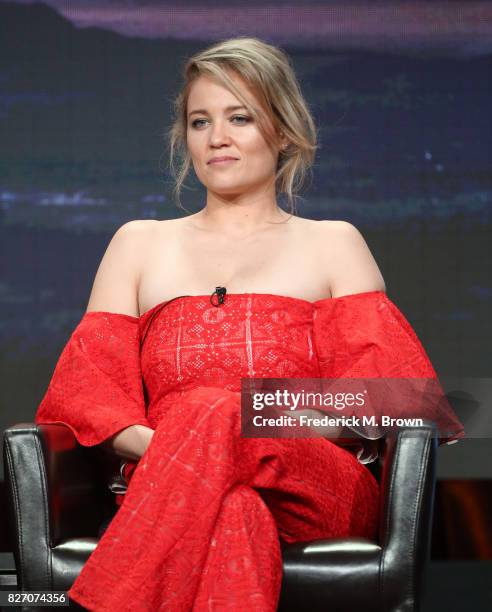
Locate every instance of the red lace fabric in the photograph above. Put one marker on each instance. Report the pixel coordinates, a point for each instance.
(365, 335)
(97, 387)
(200, 525)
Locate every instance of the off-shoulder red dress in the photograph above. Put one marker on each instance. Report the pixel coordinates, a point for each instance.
(199, 527)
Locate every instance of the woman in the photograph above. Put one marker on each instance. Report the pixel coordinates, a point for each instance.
(154, 367)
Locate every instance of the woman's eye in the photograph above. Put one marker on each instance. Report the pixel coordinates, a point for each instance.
(194, 123)
(244, 119)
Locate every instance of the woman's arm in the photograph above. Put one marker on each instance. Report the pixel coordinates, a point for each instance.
(115, 289)
(131, 442)
(351, 268)
(349, 261)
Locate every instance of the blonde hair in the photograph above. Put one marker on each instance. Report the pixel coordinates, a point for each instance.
(268, 71)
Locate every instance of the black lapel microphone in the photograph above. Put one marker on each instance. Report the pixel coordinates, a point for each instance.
(220, 293)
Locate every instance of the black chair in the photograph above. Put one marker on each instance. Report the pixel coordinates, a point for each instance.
(60, 503)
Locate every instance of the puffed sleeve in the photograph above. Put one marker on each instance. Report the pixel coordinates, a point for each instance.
(364, 335)
(97, 387)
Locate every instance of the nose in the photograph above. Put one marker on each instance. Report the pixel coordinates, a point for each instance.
(219, 134)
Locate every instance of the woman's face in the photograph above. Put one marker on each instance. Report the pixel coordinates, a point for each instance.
(219, 131)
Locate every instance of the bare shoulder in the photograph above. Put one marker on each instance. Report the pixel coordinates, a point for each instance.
(130, 241)
(136, 228)
(350, 262)
(139, 235)
(116, 280)
(308, 228)
(338, 227)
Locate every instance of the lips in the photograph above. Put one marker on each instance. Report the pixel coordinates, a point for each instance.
(219, 160)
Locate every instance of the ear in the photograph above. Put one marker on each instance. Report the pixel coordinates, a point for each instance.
(284, 142)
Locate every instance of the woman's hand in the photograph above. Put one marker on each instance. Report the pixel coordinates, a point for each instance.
(131, 442)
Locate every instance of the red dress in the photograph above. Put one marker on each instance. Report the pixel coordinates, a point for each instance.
(199, 527)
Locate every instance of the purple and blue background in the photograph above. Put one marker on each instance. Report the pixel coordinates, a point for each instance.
(401, 93)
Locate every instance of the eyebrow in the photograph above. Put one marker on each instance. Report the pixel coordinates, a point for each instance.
(204, 112)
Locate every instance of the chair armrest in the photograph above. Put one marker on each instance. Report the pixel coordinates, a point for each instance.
(54, 490)
(407, 499)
